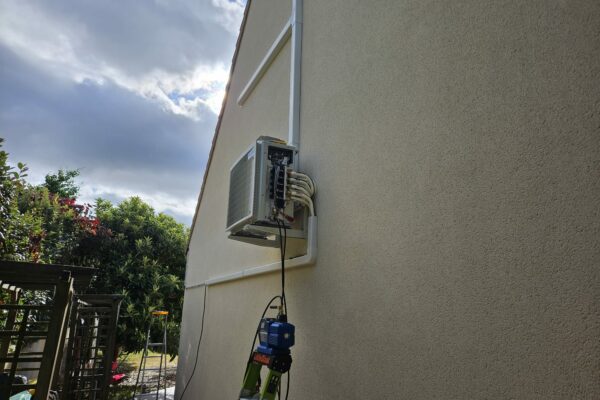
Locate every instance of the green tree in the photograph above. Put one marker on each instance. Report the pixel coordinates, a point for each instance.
(14, 230)
(62, 183)
(62, 227)
(144, 260)
(138, 253)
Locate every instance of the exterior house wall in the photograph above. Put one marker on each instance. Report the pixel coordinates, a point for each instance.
(456, 148)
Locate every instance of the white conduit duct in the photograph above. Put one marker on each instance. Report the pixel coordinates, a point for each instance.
(292, 30)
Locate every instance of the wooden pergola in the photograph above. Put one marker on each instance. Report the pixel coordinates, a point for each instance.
(46, 320)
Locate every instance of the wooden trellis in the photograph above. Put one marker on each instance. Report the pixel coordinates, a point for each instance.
(91, 346)
(22, 322)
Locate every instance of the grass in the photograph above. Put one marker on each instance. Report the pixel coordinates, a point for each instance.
(129, 365)
(132, 362)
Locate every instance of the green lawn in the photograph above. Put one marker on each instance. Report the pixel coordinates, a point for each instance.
(129, 365)
(132, 362)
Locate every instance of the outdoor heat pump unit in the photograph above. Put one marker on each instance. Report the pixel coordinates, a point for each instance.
(259, 197)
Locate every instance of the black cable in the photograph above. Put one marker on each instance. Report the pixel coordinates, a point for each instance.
(198, 348)
(287, 391)
(283, 264)
(282, 248)
(283, 303)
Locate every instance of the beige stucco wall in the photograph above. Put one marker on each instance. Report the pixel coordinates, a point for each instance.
(456, 147)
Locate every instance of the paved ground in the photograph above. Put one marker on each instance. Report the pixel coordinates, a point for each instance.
(161, 395)
(151, 381)
(152, 377)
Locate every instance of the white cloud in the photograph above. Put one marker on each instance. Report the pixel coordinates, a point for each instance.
(178, 92)
(160, 201)
(126, 91)
(181, 75)
(232, 14)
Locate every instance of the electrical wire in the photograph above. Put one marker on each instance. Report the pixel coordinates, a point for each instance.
(282, 248)
(283, 263)
(305, 189)
(283, 303)
(287, 390)
(198, 348)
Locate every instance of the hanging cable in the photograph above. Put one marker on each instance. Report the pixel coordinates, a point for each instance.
(287, 390)
(282, 248)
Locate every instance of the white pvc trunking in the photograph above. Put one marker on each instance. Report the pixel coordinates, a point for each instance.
(266, 62)
(307, 259)
(293, 30)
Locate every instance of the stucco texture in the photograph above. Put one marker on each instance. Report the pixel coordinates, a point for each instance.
(456, 148)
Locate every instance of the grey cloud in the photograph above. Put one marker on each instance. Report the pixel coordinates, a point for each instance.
(118, 138)
(124, 139)
(137, 37)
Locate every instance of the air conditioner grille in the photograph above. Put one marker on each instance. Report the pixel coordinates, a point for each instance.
(241, 189)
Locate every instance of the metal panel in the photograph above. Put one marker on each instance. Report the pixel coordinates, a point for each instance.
(241, 189)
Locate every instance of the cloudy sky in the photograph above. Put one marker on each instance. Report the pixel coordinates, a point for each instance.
(126, 91)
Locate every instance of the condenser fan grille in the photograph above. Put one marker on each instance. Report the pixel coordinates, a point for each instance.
(241, 189)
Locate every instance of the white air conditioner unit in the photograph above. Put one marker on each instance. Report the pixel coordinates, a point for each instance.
(257, 194)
